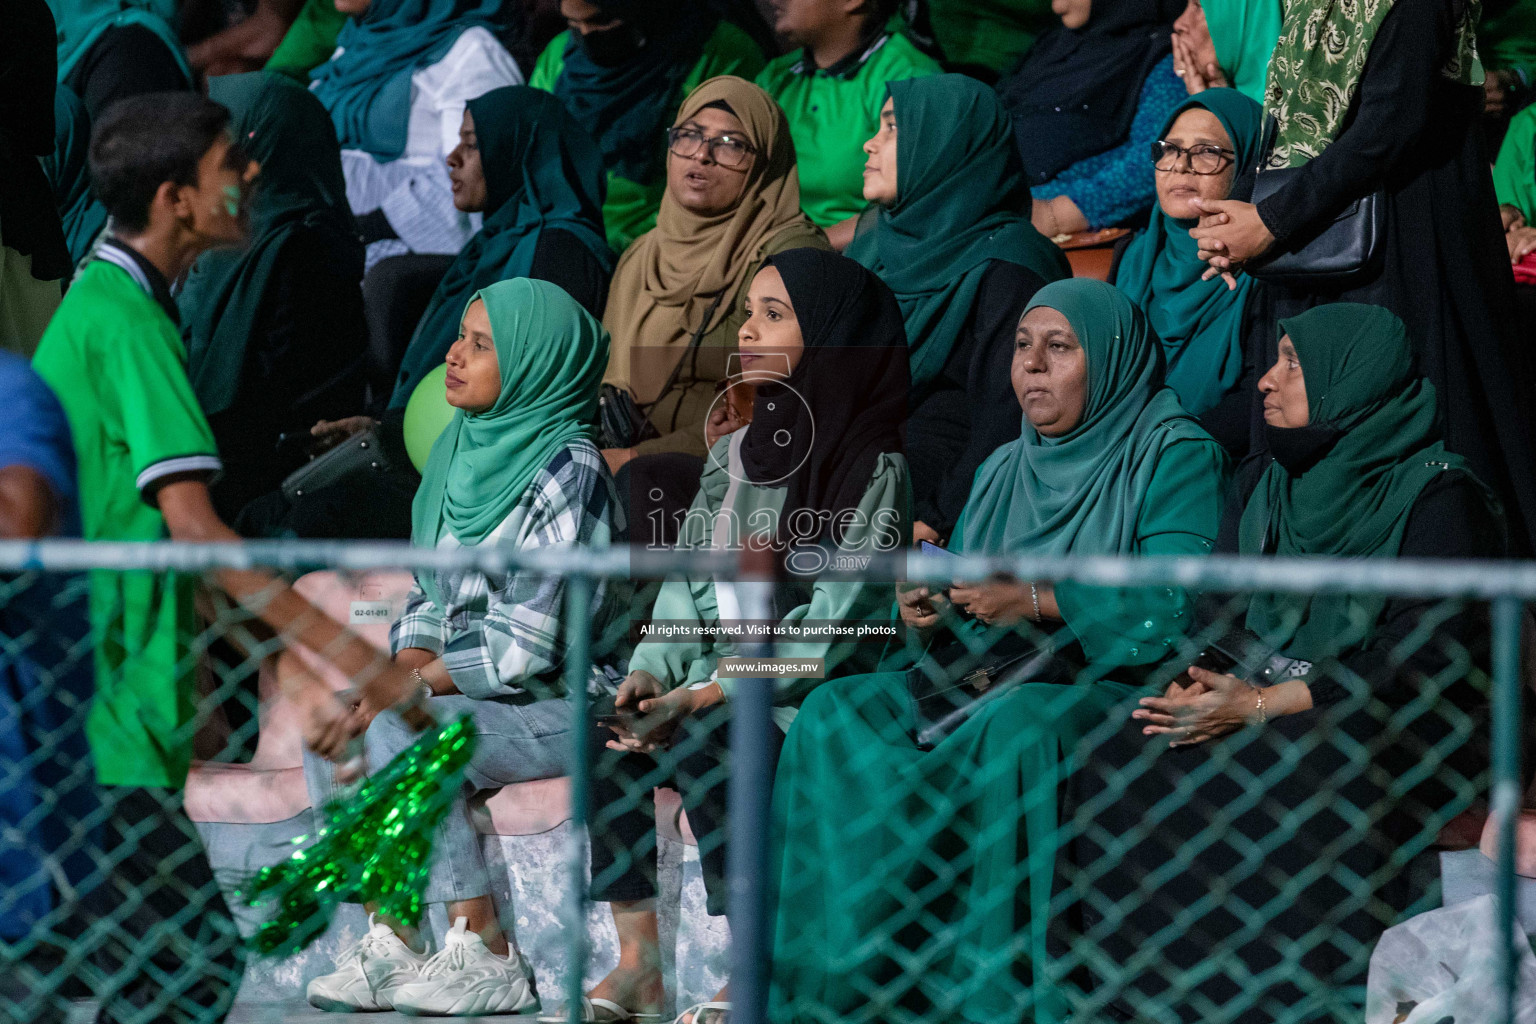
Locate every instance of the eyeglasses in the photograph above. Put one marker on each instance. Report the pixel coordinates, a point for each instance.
(1206, 159)
(725, 150)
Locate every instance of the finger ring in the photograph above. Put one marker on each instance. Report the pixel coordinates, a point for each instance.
(1178, 71)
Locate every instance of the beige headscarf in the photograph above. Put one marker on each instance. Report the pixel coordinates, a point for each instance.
(668, 279)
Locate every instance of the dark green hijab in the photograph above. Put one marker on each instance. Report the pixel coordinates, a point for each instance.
(1200, 322)
(1355, 500)
(551, 354)
(541, 172)
(70, 175)
(366, 85)
(1082, 493)
(300, 188)
(960, 195)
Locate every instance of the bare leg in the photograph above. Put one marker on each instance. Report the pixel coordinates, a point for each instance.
(636, 983)
(481, 915)
(711, 1016)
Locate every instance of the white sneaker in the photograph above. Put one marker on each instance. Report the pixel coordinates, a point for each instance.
(465, 979)
(368, 973)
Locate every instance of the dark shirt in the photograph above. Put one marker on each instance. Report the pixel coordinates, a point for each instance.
(563, 259)
(969, 410)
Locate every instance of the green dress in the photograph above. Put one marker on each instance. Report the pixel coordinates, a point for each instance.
(1514, 173)
(630, 210)
(916, 884)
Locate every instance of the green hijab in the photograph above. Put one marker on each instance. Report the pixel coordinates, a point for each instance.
(542, 172)
(1200, 322)
(81, 23)
(1082, 493)
(284, 128)
(1354, 502)
(1244, 34)
(958, 207)
(1315, 70)
(68, 173)
(551, 354)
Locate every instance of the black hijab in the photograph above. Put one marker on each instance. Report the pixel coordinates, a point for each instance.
(1075, 92)
(852, 386)
(28, 68)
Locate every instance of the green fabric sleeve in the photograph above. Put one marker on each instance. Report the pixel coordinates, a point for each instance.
(310, 40)
(550, 63)
(1180, 516)
(1514, 172)
(887, 510)
(729, 51)
(162, 422)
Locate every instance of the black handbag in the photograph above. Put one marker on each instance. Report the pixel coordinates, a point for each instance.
(1348, 246)
(942, 699)
(620, 420)
(359, 454)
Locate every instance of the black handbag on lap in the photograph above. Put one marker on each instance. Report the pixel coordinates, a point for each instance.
(943, 704)
(358, 455)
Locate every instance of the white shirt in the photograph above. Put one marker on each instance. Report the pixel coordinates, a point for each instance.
(413, 190)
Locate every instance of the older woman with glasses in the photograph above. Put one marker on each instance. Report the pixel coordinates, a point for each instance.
(1207, 144)
(676, 303)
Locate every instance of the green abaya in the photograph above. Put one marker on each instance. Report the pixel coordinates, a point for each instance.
(915, 884)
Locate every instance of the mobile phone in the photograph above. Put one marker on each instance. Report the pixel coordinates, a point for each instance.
(295, 444)
(929, 548)
(606, 712)
(1214, 659)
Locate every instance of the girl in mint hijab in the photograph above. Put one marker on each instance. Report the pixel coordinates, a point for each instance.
(1199, 322)
(515, 469)
(941, 853)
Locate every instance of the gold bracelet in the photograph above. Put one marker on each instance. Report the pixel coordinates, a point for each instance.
(1259, 696)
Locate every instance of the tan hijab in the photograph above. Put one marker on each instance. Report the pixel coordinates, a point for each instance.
(668, 279)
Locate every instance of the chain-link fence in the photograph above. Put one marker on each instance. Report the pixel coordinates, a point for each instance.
(974, 819)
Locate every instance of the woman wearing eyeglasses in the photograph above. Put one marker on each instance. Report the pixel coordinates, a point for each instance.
(1209, 142)
(676, 303)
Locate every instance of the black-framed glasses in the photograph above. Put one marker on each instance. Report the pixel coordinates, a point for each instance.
(1202, 159)
(726, 150)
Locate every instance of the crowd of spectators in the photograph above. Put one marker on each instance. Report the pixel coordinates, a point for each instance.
(794, 276)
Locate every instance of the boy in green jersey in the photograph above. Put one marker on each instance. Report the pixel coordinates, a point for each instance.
(175, 185)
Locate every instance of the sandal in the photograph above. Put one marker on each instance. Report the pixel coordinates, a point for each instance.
(613, 1013)
(720, 1015)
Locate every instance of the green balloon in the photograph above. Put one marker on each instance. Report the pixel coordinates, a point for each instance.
(426, 414)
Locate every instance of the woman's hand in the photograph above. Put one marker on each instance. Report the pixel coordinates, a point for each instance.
(329, 723)
(617, 457)
(921, 531)
(331, 433)
(1511, 216)
(1230, 233)
(998, 602)
(723, 419)
(1214, 705)
(920, 607)
(1196, 78)
(1521, 242)
(661, 712)
(1057, 216)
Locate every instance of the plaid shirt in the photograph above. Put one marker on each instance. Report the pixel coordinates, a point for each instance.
(501, 635)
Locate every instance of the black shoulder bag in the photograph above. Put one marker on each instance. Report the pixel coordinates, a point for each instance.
(621, 423)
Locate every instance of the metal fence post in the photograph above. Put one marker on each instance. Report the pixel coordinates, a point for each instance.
(751, 785)
(578, 668)
(1506, 787)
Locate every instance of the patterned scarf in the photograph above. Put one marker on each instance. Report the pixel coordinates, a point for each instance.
(1317, 64)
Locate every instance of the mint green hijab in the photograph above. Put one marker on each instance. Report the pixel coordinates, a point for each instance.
(1244, 33)
(1200, 322)
(1354, 502)
(1082, 493)
(552, 354)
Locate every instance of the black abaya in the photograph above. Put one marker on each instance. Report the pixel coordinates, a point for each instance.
(1445, 269)
(1258, 870)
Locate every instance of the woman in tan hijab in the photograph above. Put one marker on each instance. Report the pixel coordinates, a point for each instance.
(732, 199)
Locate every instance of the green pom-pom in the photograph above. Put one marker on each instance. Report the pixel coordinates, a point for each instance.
(376, 847)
